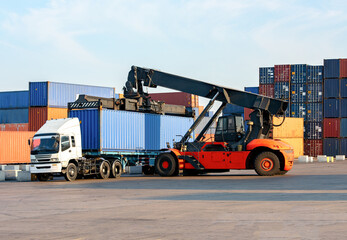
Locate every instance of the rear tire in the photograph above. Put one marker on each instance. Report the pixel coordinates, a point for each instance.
(71, 172)
(267, 164)
(105, 170)
(148, 170)
(282, 172)
(116, 170)
(165, 165)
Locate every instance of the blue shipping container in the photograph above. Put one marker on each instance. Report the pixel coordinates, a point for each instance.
(232, 109)
(313, 130)
(331, 88)
(298, 73)
(331, 146)
(331, 108)
(343, 106)
(298, 93)
(282, 90)
(343, 88)
(266, 75)
(331, 68)
(55, 94)
(17, 115)
(314, 92)
(343, 127)
(314, 112)
(314, 74)
(15, 99)
(343, 146)
(252, 90)
(298, 110)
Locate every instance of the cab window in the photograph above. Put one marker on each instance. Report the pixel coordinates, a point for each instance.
(73, 141)
(65, 143)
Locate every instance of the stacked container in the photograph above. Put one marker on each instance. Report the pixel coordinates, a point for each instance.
(282, 77)
(177, 98)
(13, 108)
(48, 100)
(266, 81)
(335, 110)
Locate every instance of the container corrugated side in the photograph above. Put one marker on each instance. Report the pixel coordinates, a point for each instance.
(343, 127)
(298, 110)
(173, 128)
(343, 88)
(252, 89)
(331, 146)
(38, 94)
(343, 146)
(343, 68)
(152, 131)
(298, 93)
(16, 115)
(331, 68)
(122, 130)
(90, 128)
(282, 90)
(313, 148)
(331, 88)
(331, 108)
(266, 75)
(267, 90)
(331, 127)
(14, 147)
(314, 74)
(297, 144)
(343, 107)
(314, 92)
(14, 127)
(282, 73)
(314, 111)
(313, 130)
(16, 99)
(291, 127)
(39, 115)
(298, 73)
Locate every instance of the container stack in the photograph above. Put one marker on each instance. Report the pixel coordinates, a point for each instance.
(14, 111)
(282, 79)
(48, 100)
(266, 81)
(335, 110)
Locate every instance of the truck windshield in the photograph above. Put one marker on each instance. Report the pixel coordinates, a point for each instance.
(45, 144)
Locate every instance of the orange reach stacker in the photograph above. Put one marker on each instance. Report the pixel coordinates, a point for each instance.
(233, 147)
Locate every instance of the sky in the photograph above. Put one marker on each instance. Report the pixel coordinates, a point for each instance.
(222, 42)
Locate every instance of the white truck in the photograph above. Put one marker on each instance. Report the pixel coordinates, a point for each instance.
(56, 148)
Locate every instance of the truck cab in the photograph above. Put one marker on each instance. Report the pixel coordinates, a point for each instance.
(54, 145)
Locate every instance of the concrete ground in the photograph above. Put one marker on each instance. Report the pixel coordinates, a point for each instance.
(310, 202)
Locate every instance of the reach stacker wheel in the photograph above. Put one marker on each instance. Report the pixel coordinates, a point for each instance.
(165, 165)
(267, 164)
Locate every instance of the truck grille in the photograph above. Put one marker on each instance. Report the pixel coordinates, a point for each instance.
(43, 160)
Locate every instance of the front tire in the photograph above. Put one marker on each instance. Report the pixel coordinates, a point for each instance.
(44, 177)
(166, 165)
(71, 172)
(267, 164)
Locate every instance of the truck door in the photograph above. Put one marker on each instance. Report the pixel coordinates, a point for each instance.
(65, 150)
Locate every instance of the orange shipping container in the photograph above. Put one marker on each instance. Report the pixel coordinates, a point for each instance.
(14, 127)
(39, 115)
(291, 127)
(14, 147)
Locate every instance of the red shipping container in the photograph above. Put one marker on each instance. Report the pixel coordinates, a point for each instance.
(331, 127)
(177, 98)
(282, 73)
(267, 90)
(14, 147)
(39, 115)
(343, 68)
(247, 111)
(313, 148)
(14, 127)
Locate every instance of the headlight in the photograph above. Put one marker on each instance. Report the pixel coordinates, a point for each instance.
(289, 151)
(54, 159)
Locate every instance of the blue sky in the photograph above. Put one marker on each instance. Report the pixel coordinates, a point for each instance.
(223, 42)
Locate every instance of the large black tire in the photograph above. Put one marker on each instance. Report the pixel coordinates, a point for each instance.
(267, 164)
(116, 170)
(148, 170)
(282, 172)
(105, 170)
(165, 165)
(71, 172)
(43, 177)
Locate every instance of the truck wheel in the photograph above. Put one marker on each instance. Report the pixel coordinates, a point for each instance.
(116, 170)
(105, 170)
(43, 177)
(267, 164)
(165, 164)
(71, 172)
(148, 170)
